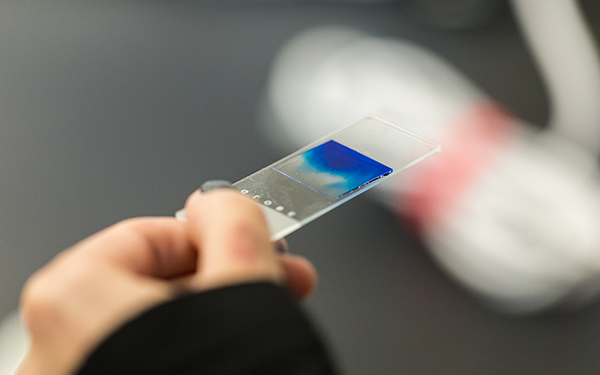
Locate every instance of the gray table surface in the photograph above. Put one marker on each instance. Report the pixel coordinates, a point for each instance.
(110, 110)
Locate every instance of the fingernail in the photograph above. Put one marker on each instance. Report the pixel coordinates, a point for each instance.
(215, 184)
(180, 215)
(281, 247)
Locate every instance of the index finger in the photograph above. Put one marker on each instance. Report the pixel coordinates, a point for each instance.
(151, 246)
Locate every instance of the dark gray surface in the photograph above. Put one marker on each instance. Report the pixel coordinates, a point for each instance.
(122, 108)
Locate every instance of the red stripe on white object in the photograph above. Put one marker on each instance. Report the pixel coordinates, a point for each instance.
(468, 150)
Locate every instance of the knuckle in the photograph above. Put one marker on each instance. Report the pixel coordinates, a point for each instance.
(244, 236)
(127, 231)
(39, 300)
(45, 292)
(129, 225)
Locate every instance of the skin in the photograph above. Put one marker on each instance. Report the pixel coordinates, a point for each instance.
(89, 290)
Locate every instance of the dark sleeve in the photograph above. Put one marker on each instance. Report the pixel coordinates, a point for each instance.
(245, 329)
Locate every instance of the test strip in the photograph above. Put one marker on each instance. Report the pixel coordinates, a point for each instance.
(330, 171)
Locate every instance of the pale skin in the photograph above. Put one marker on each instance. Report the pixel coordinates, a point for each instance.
(94, 287)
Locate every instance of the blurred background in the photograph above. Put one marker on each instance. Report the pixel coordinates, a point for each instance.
(110, 110)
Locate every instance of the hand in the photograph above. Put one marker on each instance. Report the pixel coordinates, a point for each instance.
(91, 289)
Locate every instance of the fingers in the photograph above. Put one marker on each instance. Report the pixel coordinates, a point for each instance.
(300, 276)
(95, 286)
(232, 239)
(75, 301)
(157, 247)
(225, 241)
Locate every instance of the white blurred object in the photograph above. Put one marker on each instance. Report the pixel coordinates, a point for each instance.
(511, 214)
(13, 343)
(328, 77)
(524, 233)
(565, 51)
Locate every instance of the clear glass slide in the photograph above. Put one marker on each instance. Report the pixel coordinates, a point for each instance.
(330, 171)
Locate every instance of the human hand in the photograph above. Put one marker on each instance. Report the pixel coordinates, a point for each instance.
(91, 289)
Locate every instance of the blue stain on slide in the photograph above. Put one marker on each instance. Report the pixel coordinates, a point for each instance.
(333, 169)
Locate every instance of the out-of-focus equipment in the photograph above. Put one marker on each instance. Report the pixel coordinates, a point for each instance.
(511, 213)
(565, 51)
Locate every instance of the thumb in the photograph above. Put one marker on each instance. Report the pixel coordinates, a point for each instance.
(231, 236)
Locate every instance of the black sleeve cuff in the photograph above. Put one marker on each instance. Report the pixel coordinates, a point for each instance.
(244, 329)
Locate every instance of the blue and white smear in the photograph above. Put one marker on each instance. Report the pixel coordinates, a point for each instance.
(332, 169)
